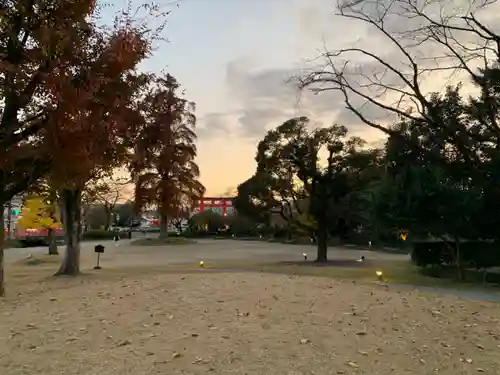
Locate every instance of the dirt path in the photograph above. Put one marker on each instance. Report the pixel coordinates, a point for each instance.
(242, 324)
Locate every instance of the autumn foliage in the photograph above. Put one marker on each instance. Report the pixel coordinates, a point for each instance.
(69, 88)
(37, 40)
(163, 165)
(75, 106)
(37, 213)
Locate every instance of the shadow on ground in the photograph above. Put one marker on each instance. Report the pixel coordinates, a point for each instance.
(347, 263)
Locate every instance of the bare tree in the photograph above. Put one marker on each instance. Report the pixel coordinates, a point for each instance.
(106, 193)
(422, 42)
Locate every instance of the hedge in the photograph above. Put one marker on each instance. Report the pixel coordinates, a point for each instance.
(476, 254)
(99, 234)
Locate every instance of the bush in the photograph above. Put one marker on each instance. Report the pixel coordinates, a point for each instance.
(32, 242)
(477, 254)
(281, 233)
(428, 253)
(98, 234)
(480, 254)
(12, 243)
(162, 241)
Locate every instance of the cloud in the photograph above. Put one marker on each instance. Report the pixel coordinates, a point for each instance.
(214, 124)
(268, 97)
(264, 98)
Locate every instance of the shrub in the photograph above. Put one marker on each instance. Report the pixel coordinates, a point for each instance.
(162, 241)
(481, 254)
(478, 254)
(98, 234)
(429, 253)
(33, 241)
(281, 233)
(12, 243)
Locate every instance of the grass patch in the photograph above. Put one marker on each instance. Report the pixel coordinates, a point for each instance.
(162, 241)
(398, 272)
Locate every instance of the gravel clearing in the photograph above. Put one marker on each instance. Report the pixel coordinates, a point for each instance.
(246, 323)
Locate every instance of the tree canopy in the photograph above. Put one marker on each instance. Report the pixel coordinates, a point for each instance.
(163, 165)
(308, 177)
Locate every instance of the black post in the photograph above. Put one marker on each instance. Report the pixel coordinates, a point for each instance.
(98, 249)
(97, 267)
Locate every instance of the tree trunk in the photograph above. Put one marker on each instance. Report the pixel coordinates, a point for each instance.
(108, 213)
(2, 244)
(9, 219)
(322, 238)
(71, 219)
(52, 242)
(458, 261)
(163, 226)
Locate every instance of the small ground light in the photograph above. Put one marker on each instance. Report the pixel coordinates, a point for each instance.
(304, 255)
(202, 263)
(380, 275)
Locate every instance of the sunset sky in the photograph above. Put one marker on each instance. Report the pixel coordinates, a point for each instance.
(234, 58)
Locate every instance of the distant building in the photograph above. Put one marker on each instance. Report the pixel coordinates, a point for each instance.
(221, 205)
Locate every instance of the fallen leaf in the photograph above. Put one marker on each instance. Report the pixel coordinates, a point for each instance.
(353, 364)
(124, 343)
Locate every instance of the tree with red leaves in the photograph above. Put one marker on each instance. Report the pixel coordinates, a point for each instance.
(37, 39)
(91, 139)
(163, 167)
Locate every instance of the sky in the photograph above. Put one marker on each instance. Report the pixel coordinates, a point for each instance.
(220, 51)
(235, 58)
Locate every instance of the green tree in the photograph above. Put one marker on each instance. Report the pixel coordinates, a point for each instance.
(124, 213)
(208, 220)
(252, 198)
(96, 217)
(436, 187)
(316, 167)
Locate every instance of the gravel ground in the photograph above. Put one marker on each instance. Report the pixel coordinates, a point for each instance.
(222, 323)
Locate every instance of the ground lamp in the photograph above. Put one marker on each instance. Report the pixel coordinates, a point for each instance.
(380, 275)
(202, 263)
(304, 255)
(98, 249)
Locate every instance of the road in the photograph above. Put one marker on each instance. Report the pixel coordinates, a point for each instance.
(205, 249)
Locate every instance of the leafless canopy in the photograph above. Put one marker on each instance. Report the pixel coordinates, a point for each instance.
(414, 46)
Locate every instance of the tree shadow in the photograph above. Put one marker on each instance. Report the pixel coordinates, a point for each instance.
(347, 263)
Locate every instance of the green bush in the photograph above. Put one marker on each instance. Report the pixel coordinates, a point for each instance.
(477, 254)
(162, 241)
(99, 234)
(480, 254)
(281, 233)
(426, 254)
